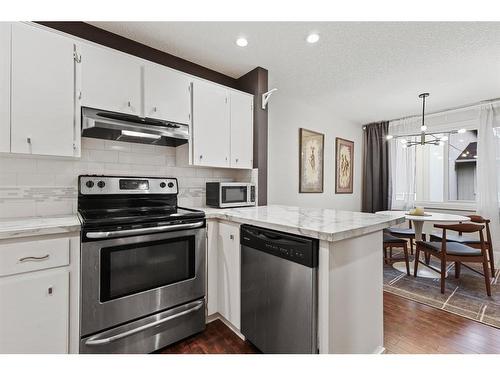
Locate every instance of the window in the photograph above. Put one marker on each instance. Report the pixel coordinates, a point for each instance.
(447, 172)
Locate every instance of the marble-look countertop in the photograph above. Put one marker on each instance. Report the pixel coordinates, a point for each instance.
(36, 226)
(322, 223)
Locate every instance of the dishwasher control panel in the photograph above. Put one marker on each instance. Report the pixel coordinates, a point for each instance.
(298, 249)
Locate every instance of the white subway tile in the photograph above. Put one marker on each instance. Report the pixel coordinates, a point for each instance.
(36, 179)
(17, 164)
(63, 207)
(117, 146)
(92, 144)
(8, 179)
(104, 156)
(17, 208)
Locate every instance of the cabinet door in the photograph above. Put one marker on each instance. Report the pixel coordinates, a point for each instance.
(34, 310)
(167, 94)
(43, 92)
(211, 127)
(229, 273)
(241, 130)
(5, 86)
(110, 80)
(212, 266)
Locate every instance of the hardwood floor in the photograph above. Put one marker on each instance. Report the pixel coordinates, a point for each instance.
(409, 328)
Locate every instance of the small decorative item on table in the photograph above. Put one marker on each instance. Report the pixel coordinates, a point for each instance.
(311, 155)
(344, 156)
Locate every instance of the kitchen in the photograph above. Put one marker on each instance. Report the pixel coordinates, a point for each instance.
(201, 187)
(135, 208)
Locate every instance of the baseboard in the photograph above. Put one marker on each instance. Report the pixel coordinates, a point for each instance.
(379, 350)
(218, 316)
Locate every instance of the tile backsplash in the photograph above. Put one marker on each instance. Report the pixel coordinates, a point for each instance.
(43, 186)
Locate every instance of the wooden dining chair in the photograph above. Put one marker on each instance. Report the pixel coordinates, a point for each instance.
(407, 233)
(473, 241)
(457, 252)
(391, 242)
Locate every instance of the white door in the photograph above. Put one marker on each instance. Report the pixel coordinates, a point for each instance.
(229, 291)
(110, 80)
(211, 126)
(241, 130)
(43, 92)
(167, 94)
(34, 310)
(5, 86)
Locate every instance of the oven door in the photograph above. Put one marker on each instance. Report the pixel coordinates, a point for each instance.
(127, 278)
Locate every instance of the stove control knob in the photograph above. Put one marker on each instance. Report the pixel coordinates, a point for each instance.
(162, 184)
(101, 184)
(170, 184)
(89, 184)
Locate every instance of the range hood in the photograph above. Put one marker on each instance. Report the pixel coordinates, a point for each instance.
(129, 128)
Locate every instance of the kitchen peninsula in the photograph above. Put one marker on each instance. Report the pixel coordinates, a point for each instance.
(350, 300)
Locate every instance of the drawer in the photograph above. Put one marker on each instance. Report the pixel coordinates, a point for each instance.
(29, 256)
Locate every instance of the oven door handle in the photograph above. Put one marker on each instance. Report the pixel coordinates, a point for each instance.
(130, 232)
(119, 336)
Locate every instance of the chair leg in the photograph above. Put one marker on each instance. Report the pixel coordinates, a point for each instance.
(486, 276)
(385, 255)
(407, 260)
(492, 261)
(427, 258)
(457, 269)
(443, 274)
(411, 246)
(415, 267)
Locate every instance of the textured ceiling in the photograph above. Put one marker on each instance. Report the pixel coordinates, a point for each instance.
(363, 71)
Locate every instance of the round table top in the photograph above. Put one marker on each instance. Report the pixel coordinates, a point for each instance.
(429, 216)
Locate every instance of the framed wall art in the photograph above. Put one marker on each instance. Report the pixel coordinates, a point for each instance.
(344, 161)
(311, 161)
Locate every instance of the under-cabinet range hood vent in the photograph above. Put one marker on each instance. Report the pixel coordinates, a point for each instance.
(129, 128)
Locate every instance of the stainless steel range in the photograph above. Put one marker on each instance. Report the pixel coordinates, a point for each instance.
(142, 265)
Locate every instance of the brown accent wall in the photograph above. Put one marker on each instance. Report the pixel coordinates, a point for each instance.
(106, 38)
(256, 82)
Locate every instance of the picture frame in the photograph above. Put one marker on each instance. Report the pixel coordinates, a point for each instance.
(311, 161)
(344, 166)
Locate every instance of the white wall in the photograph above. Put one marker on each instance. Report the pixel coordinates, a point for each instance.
(286, 116)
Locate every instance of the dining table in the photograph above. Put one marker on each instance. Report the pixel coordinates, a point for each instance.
(418, 224)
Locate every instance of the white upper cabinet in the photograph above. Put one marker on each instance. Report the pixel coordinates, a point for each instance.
(110, 80)
(211, 125)
(167, 94)
(43, 92)
(5, 86)
(241, 130)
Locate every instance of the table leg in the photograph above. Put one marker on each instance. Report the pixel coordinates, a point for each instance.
(418, 225)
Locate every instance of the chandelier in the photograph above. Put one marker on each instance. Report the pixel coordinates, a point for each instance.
(423, 138)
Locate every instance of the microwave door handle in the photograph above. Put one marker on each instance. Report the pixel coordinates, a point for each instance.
(130, 232)
(109, 340)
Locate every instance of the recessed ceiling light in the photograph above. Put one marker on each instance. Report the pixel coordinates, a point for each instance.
(242, 42)
(312, 38)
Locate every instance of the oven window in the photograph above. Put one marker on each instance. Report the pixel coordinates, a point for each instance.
(130, 269)
(234, 194)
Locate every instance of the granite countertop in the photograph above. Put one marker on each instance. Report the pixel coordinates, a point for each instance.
(35, 226)
(324, 224)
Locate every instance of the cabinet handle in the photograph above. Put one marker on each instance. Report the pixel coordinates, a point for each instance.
(129, 104)
(28, 140)
(237, 160)
(154, 109)
(26, 259)
(231, 236)
(201, 157)
(50, 290)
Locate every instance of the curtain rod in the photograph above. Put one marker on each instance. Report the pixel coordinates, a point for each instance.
(466, 106)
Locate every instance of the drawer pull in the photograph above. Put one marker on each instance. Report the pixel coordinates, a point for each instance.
(32, 259)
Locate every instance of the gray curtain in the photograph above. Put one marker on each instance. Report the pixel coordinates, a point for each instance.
(376, 167)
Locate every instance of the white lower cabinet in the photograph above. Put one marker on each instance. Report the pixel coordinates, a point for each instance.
(229, 274)
(39, 294)
(34, 312)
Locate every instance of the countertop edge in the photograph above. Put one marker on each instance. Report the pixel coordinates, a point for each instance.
(38, 226)
(330, 237)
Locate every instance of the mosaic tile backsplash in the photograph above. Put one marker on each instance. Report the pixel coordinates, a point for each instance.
(44, 186)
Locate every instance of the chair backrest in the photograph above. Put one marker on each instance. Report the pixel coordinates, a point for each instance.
(486, 222)
(462, 228)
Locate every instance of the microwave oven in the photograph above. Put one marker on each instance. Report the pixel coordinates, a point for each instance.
(230, 194)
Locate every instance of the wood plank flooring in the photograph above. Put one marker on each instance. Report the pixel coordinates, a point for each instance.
(409, 328)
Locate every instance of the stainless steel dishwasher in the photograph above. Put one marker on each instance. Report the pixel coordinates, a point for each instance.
(279, 290)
